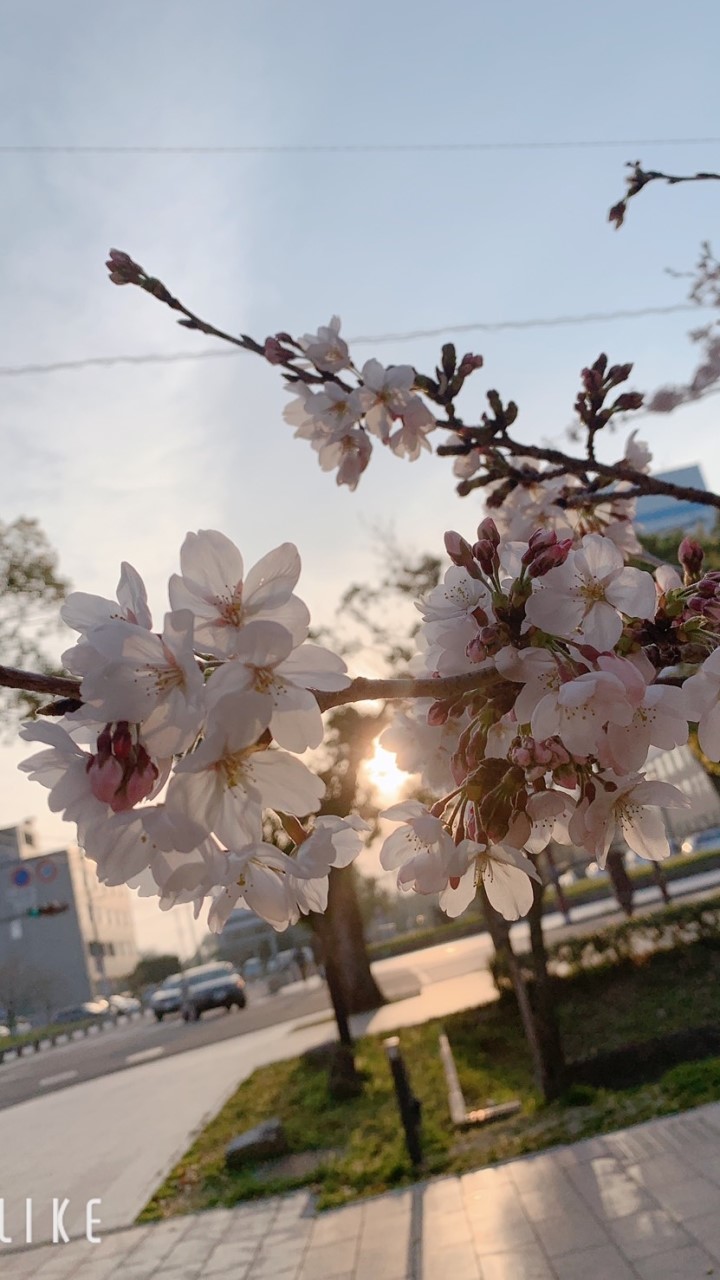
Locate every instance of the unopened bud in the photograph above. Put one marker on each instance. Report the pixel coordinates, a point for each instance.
(550, 558)
(691, 556)
(469, 364)
(488, 531)
(438, 714)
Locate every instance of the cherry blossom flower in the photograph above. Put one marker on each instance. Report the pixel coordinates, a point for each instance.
(701, 696)
(150, 680)
(411, 438)
(333, 842)
(384, 395)
(349, 450)
(506, 875)
(578, 711)
(584, 598)
(326, 349)
(630, 807)
(213, 588)
(223, 786)
(659, 717)
(63, 768)
(266, 662)
(84, 612)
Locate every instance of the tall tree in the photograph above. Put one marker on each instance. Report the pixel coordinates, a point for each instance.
(30, 588)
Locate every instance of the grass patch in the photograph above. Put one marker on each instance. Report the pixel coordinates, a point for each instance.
(599, 1012)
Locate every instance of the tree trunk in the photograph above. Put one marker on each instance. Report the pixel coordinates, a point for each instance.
(548, 1030)
(621, 882)
(544, 1069)
(346, 945)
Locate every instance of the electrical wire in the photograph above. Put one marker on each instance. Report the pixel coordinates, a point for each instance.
(496, 326)
(299, 148)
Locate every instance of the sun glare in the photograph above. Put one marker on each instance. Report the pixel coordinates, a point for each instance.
(383, 774)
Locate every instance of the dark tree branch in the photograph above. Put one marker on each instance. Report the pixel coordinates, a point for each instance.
(639, 178)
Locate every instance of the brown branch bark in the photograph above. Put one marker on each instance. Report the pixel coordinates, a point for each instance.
(359, 690)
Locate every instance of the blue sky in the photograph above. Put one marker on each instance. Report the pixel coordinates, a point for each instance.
(119, 462)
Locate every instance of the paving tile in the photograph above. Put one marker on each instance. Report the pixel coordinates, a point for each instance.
(609, 1191)
(102, 1269)
(691, 1199)
(541, 1204)
(386, 1261)
(443, 1196)
(602, 1263)
(226, 1261)
(442, 1229)
(644, 1234)
(522, 1264)
(329, 1260)
(707, 1231)
(567, 1234)
(663, 1171)
(458, 1261)
(341, 1224)
(499, 1235)
(691, 1263)
(485, 1180)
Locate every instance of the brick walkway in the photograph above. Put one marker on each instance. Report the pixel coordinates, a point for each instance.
(640, 1204)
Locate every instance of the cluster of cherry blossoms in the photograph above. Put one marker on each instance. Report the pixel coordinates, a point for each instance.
(185, 741)
(582, 665)
(340, 417)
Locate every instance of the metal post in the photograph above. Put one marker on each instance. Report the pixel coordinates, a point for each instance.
(409, 1106)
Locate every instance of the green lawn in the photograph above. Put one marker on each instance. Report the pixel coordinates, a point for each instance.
(599, 1012)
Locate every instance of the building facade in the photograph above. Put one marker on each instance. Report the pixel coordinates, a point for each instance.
(47, 961)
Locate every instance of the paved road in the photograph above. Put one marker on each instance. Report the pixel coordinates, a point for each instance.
(451, 976)
(145, 1040)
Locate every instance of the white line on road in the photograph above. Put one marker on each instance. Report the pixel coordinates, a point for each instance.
(144, 1056)
(59, 1079)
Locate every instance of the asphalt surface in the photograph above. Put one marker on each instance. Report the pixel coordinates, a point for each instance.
(143, 1041)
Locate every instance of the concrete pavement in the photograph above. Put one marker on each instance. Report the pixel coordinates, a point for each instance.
(640, 1204)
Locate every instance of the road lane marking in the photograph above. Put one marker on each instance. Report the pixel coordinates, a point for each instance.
(58, 1079)
(144, 1056)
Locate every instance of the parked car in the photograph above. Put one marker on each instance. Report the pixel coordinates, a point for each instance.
(168, 997)
(252, 968)
(82, 1012)
(206, 986)
(702, 840)
(125, 1004)
(22, 1027)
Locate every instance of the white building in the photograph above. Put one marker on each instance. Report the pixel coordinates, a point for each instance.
(680, 767)
(47, 961)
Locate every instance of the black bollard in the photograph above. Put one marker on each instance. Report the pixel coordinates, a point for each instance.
(408, 1105)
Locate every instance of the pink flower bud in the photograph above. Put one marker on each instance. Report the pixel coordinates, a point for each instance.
(122, 741)
(550, 558)
(691, 556)
(486, 556)
(458, 548)
(140, 782)
(488, 531)
(106, 777)
(469, 364)
(437, 713)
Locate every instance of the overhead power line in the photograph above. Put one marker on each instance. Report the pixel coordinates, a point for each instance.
(494, 326)
(300, 148)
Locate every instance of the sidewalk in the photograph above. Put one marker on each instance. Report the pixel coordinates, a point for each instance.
(640, 1204)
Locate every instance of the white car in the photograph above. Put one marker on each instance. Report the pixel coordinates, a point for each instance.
(22, 1027)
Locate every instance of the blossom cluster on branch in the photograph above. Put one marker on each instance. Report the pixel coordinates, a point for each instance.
(184, 739)
(556, 668)
(547, 670)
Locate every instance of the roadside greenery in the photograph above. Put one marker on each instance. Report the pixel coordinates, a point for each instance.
(589, 889)
(630, 1013)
